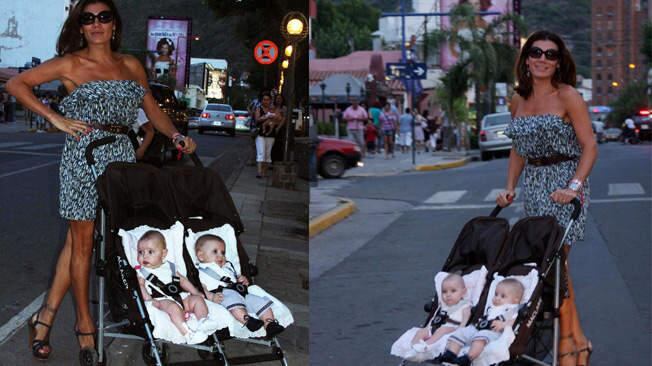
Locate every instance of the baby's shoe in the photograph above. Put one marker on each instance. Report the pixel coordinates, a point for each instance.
(273, 328)
(447, 356)
(420, 346)
(208, 325)
(253, 324)
(195, 337)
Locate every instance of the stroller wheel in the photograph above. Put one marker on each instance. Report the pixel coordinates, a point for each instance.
(148, 353)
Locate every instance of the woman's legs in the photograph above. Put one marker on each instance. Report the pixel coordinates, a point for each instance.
(572, 337)
(80, 265)
(260, 154)
(268, 143)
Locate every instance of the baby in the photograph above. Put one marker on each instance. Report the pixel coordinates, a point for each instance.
(506, 300)
(219, 276)
(455, 312)
(269, 124)
(160, 282)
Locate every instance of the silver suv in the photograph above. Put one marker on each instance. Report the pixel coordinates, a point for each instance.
(217, 117)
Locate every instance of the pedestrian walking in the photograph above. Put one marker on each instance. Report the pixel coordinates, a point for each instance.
(389, 123)
(355, 116)
(405, 132)
(86, 49)
(374, 116)
(553, 146)
(279, 134)
(266, 120)
(629, 130)
(253, 131)
(370, 136)
(420, 124)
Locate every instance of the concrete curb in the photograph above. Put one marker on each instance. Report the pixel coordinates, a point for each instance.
(322, 222)
(453, 164)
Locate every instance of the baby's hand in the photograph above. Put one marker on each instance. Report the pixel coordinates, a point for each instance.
(243, 280)
(217, 298)
(497, 325)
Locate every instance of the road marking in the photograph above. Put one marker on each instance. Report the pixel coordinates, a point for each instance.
(519, 205)
(445, 197)
(40, 146)
(28, 169)
(491, 197)
(625, 189)
(15, 323)
(28, 153)
(4, 145)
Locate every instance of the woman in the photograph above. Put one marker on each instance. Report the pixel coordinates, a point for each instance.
(163, 66)
(388, 123)
(106, 88)
(279, 131)
(553, 144)
(420, 124)
(266, 117)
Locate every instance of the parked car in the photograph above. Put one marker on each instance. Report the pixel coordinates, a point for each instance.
(612, 134)
(335, 156)
(217, 117)
(643, 122)
(241, 120)
(492, 136)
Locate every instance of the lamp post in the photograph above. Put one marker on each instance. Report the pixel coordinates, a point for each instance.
(294, 29)
(348, 91)
(322, 85)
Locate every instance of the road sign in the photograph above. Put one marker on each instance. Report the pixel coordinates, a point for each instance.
(266, 52)
(411, 70)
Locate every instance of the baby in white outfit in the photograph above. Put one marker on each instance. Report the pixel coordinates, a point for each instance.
(455, 312)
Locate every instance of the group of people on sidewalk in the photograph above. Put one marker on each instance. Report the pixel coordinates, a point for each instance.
(267, 130)
(381, 128)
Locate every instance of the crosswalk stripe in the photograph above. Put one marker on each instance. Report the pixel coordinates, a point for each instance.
(491, 197)
(625, 189)
(4, 145)
(40, 147)
(445, 197)
(519, 206)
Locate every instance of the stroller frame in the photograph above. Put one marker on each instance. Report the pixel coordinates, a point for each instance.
(157, 351)
(433, 306)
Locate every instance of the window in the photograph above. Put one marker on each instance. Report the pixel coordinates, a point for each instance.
(598, 51)
(598, 63)
(598, 76)
(598, 90)
(609, 77)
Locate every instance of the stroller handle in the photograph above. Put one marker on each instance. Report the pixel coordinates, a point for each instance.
(95, 144)
(193, 156)
(577, 208)
(496, 211)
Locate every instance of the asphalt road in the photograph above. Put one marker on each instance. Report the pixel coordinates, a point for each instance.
(372, 273)
(31, 231)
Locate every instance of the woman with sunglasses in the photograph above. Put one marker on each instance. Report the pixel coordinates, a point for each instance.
(105, 90)
(553, 145)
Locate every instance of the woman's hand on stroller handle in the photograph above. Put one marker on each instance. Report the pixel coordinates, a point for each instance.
(243, 280)
(505, 198)
(184, 143)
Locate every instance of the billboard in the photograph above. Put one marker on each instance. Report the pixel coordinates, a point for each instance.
(216, 84)
(168, 50)
(27, 31)
(450, 52)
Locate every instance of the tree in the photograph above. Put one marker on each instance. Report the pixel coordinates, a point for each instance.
(339, 29)
(629, 102)
(646, 47)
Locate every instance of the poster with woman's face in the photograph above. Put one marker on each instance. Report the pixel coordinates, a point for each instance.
(450, 52)
(167, 45)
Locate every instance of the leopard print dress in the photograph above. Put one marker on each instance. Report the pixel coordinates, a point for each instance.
(100, 102)
(540, 136)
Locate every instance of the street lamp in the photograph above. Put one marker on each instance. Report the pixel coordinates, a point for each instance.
(322, 85)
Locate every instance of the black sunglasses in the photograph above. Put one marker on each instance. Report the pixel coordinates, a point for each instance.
(536, 52)
(104, 17)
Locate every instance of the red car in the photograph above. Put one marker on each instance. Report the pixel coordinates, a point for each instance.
(336, 156)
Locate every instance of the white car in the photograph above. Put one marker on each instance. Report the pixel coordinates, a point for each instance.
(217, 117)
(492, 136)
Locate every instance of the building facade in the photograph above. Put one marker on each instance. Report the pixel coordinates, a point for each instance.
(616, 36)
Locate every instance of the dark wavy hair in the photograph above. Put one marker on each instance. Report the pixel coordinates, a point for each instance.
(165, 41)
(70, 40)
(564, 74)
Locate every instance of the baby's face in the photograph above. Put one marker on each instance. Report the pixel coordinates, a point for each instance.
(505, 295)
(151, 253)
(452, 292)
(213, 251)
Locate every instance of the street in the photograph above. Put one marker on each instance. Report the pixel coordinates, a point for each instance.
(30, 185)
(372, 273)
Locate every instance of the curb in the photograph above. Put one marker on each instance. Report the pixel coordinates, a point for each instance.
(453, 164)
(344, 209)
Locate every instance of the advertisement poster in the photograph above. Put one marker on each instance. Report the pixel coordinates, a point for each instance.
(450, 52)
(216, 84)
(167, 43)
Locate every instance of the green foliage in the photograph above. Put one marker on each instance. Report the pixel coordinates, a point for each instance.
(340, 26)
(325, 128)
(629, 102)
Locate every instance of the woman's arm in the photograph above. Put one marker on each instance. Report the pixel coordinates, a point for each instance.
(21, 86)
(147, 140)
(579, 115)
(156, 116)
(514, 166)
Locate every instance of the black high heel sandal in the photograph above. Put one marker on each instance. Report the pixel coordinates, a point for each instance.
(39, 345)
(87, 355)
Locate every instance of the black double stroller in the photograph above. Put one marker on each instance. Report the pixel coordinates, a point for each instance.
(135, 194)
(533, 243)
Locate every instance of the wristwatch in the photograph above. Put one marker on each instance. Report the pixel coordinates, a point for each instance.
(575, 185)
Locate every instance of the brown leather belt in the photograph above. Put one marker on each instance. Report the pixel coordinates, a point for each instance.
(122, 129)
(550, 160)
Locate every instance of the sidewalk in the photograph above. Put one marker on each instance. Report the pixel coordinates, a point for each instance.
(275, 238)
(327, 210)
